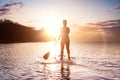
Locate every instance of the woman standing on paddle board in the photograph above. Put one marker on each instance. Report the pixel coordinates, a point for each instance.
(65, 40)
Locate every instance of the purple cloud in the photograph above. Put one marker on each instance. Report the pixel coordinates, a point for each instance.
(6, 8)
(94, 32)
(4, 11)
(12, 4)
(111, 28)
(110, 23)
(117, 7)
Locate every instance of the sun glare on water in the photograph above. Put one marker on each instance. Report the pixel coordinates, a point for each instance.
(52, 25)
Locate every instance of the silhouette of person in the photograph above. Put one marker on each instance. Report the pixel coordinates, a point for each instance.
(65, 40)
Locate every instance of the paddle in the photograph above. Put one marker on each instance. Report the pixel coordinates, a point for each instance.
(46, 56)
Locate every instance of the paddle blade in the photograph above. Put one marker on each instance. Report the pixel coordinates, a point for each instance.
(46, 56)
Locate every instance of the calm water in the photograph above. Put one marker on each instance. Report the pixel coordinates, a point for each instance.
(23, 61)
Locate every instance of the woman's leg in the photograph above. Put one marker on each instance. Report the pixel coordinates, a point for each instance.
(62, 48)
(68, 48)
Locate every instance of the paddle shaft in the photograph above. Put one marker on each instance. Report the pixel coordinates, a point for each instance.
(46, 56)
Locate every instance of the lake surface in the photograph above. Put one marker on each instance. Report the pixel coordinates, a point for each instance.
(24, 61)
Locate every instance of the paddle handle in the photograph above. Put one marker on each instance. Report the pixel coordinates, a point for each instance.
(57, 40)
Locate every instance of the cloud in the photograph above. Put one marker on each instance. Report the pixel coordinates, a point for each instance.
(117, 7)
(6, 8)
(110, 23)
(12, 4)
(111, 28)
(4, 11)
(94, 32)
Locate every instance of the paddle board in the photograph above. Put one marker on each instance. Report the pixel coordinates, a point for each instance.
(57, 61)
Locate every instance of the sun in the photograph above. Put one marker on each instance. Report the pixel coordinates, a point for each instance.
(52, 24)
(53, 27)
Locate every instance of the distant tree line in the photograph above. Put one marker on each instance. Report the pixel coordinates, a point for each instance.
(14, 32)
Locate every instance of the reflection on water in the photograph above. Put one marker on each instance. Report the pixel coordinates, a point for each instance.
(23, 61)
(50, 71)
(65, 71)
(57, 71)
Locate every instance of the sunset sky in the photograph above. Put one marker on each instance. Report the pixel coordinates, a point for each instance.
(35, 12)
(50, 13)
